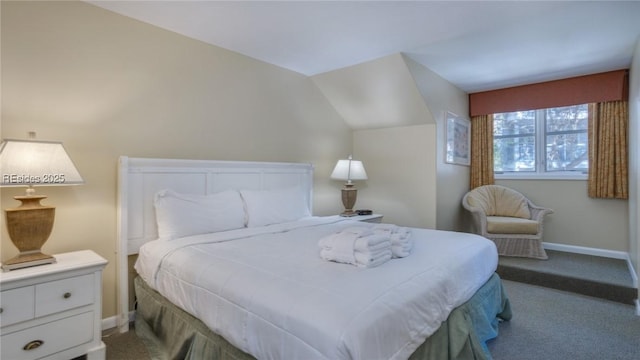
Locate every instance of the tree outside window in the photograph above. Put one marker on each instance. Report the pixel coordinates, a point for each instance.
(541, 141)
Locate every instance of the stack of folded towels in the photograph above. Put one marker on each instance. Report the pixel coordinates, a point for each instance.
(366, 246)
(401, 243)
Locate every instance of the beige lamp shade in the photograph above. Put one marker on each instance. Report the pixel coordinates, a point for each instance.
(32, 163)
(349, 170)
(36, 163)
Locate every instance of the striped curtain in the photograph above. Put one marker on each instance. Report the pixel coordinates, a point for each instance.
(608, 158)
(481, 151)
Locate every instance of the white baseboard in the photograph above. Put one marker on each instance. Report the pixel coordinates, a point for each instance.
(586, 250)
(596, 252)
(108, 323)
(111, 322)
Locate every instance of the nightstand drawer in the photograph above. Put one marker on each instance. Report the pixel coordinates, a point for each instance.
(65, 294)
(49, 338)
(16, 305)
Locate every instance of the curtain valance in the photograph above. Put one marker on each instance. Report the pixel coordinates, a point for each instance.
(602, 87)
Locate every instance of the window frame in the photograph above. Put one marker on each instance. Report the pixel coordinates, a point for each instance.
(541, 173)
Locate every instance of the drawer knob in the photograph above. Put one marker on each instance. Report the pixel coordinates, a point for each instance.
(1, 310)
(67, 295)
(33, 345)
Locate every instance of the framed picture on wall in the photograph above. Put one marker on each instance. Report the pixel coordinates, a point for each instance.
(458, 145)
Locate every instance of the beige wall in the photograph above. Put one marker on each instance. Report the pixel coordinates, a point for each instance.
(388, 101)
(578, 220)
(394, 135)
(400, 164)
(107, 85)
(452, 180)
(380, 93)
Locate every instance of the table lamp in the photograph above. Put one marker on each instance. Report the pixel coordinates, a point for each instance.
(349, 170)
(32, 163)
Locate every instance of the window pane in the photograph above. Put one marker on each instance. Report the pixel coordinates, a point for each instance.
(514, 123)
(560, 132)
(567, 118)
(567, 152)
(514, 154)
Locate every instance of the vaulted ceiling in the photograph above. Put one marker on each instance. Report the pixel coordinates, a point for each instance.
(476, 45)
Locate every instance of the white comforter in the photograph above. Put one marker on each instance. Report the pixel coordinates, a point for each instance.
(268, 292)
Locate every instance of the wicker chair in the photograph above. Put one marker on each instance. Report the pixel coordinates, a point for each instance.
(509, 219)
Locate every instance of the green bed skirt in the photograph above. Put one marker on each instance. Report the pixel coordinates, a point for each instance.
(171, 333)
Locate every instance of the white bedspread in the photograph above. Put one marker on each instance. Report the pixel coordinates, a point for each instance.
(268, 292)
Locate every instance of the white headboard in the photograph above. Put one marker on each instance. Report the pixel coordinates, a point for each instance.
(139, 179)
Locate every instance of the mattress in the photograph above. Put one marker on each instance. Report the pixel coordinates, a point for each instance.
(267, 291)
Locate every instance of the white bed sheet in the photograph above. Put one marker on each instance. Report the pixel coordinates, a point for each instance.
(267, 291)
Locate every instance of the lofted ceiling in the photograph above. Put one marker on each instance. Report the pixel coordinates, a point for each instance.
(476, 45)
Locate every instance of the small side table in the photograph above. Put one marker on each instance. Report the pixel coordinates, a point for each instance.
(53, 310)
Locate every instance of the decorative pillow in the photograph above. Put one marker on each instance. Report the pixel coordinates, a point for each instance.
(511, 225)
(496, 200)
(266, 207)
(181, 215)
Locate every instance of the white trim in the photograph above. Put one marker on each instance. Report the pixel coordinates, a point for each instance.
(122, 262)
(108, 323)
(111, 322)
(613, 254)
(541, 176)
(634, 276)
(587, 250)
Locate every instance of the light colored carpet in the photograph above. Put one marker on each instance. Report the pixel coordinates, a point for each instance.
(125, 346)
(579, 266)
(556, 325)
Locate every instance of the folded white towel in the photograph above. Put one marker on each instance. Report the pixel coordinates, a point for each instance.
(365, 237)
(400, 252)
(373, 259)
(339, 246)
(373, 250)
(356, 246)
(401, 242)
(367, 243)
(358, 230)
(384, 228)
(400, 237)
(330, 255)
(367, 246)
(401, 233)
(406, 245)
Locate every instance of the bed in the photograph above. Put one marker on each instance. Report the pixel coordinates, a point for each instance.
(256, 287)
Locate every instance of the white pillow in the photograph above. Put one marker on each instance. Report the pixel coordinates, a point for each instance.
(181, 215)
(266, 207)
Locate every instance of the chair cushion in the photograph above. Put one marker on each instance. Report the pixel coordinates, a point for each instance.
(511, 225)
(496, 200)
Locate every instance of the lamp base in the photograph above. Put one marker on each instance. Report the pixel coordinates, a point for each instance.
(28, 259)
(29, 226)
(349, 195)
(349, 213)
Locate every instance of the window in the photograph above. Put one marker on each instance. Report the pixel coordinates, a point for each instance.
(545, 142)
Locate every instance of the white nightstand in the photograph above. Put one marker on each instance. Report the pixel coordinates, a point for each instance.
(373, 218)
(53, 311)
